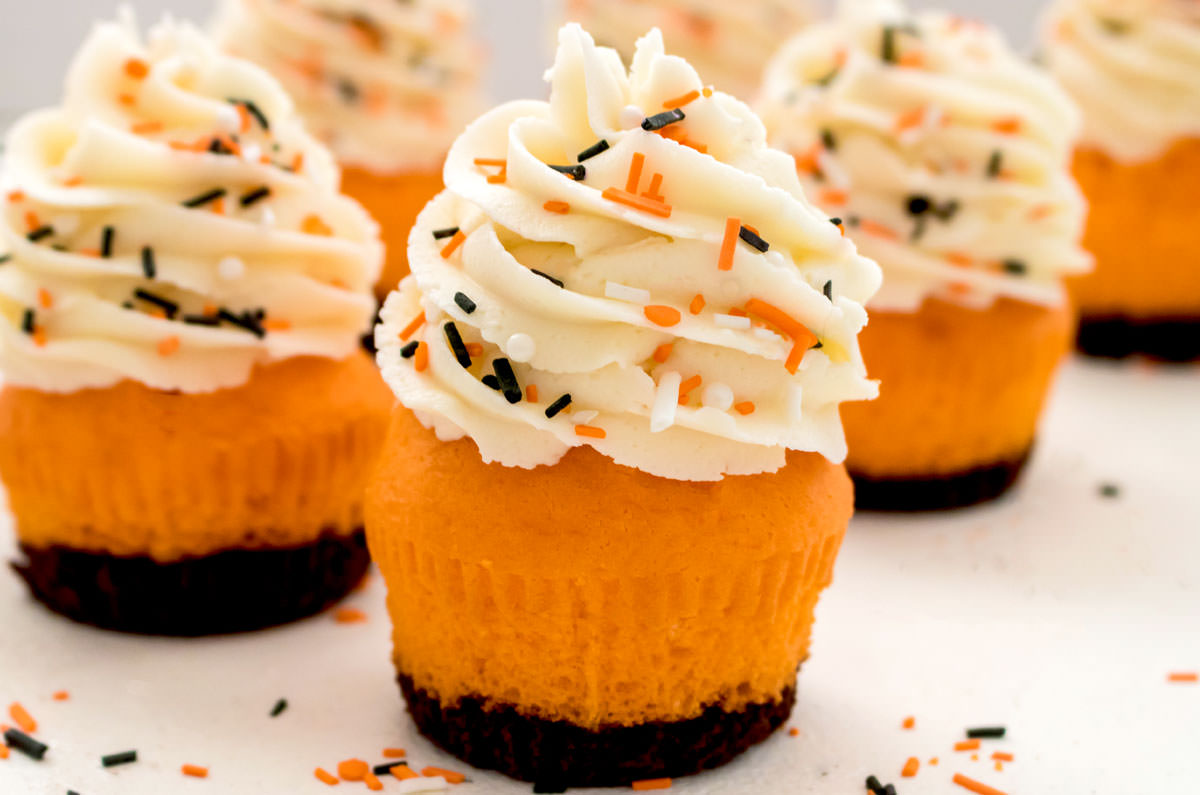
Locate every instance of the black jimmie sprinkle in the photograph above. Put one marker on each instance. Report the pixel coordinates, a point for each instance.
(593, 150)
(409, 350)
(39, 234)
(457, 345)
(205, 198)
(106, 241)
(986, 732)
(168, 306)
(574, 172)
(753, 240)
(439, 234)
(256, 195)
(547, 277)
(20, 741)
(120, 758)
(557, 406)
(508, 380)
(149, 266)
(465, 303)
(664, 119)
(279, 707)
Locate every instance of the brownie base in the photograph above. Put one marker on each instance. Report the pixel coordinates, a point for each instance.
(230, 591)
(938, 492)
(556, 754)
(1164, 339)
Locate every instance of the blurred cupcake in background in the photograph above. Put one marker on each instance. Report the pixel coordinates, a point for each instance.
(728, 42)
(187, 420)
(1134, 68)
(386, 85)
(945, 156)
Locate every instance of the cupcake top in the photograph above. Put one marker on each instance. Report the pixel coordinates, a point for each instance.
(728, 42)
(944, 153)
(629, 267)
(1134, 68)
(387, 85)
(172, 223)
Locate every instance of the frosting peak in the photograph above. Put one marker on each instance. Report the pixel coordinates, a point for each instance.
(1134, 68)
(945, 153)
(628, 266)
(172, 223)
(387, 85)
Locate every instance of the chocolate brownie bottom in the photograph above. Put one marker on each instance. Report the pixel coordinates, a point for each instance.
(231, 591)
(555, 754)
(1164, 339)
(922, 493)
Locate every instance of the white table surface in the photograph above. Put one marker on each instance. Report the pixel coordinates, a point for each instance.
(1057, 612)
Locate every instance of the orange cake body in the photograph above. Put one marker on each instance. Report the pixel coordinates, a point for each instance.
(130, 470)
(974, 404)
(646, 599)
(394, 200)
(945, 157)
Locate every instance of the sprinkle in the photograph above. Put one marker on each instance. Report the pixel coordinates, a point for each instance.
(45, 299)
(149, 268)
(245, 321)
(547, 277)
(653, 192)
(20, 741)
(394, 753)
(1015, 267)
(659, 315)
(61, 695)
(22, 718)
(686, 388)
(777, 317)
(557, 406)
(1183, 677)
(412, 326)
(28, 322)
(403, 772)
(912, 60)
(3, 751)
(909, 722)
(195, 771)
(1009, 125)
(170, 307)
(576, 173)
(72, 182)
(652, 783)
(910, 767)
(740, 322)
(966, 745)
(661, 120)
(909, 120)
(888, 46)
(297, 160)
(832, 197)
(663, 352)
(793, 732)
(686, 99)
(634, 178)
(531, 393)
(127, 99)
(827, 291)
(168, 346)
(744, 408)
(256, 195)
(874, 786)
(352, 769)
(440, 234)
(313, 225)
(205, 198)
(464, 303)
(457, 240)
(450, 775)
(752, 238)
(592, 151)
(409, 350)
(146, 127)
(520, 347)
(733, 227)
(987, 732)
(975, 786)
(637, 202)
(372, 781)
(137, 68)
(121, 758)
(933, 761)
(5, 258)
(559, 207)
(279, 707)
(622, 292)
(40, 233)
(876, 229)
(325, 777)
(995, 164)
(508, 380)
(491, 382)
(106, 241)
(456, 344)
(349, 615)
(1002, 756)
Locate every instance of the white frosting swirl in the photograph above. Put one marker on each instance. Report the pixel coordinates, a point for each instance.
(728, 42)
(268, 263)
(598, 337)
(387, 85)
(1134, 68)
(945, 153)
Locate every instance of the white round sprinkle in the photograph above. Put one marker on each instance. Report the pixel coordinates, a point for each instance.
(228, 119)
(268, 217)
(520, 347)
(631, 116)
(231, 268)
(717, 396)
(251, 153)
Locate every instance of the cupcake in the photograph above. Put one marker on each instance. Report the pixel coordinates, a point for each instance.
(945, 157)
(187, 420)
(612, 494)
(386, 85)
(1134, 69)
(729, 43)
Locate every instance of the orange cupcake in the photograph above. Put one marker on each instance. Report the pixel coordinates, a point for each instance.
(386, 85)
(944, 156)
(187, 423)
(613, 492)
(729, 43)
(1134, 69)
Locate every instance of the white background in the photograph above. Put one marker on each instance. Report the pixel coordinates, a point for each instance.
(38, 37)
